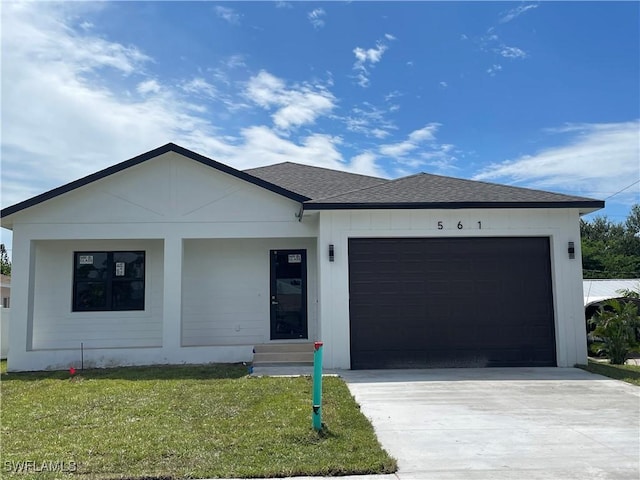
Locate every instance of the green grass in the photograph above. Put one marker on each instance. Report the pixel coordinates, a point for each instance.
(626, 373)
(181, 422)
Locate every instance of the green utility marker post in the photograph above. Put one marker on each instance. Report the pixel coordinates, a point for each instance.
(317, 386)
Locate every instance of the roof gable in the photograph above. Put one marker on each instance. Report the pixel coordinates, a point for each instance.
(171, 189)
(169, 147)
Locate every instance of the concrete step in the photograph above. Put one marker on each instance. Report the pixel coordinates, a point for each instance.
(283, 354)
(287, 357)
(284, 347)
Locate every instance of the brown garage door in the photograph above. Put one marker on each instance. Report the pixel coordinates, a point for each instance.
(450, 302)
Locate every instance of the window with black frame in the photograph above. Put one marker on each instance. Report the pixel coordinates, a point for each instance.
(107, 281)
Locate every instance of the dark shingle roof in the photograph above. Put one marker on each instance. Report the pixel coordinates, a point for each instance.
(434, 191)
(324, 189)
(313, 182)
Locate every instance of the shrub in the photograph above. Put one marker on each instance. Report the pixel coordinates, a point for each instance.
(615, 325)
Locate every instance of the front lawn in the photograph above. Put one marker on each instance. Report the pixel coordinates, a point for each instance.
(626, 373)
(180, 422)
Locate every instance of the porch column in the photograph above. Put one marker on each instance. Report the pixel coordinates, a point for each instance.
(326, 311)
(172, 296)
(22, 286)
(333, 289)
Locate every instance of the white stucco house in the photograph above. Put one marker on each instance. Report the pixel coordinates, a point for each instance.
(5, 295)
(597, 290)
(171, 257)
(5, 291)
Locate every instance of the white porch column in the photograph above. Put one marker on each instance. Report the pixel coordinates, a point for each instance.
(333, 294)
(172, 297)
(22, 285)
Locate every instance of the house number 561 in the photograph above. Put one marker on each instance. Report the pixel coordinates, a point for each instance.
(460, 225)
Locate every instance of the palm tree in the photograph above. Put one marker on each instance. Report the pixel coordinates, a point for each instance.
(616, 323)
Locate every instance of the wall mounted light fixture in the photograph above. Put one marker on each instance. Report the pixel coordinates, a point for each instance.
(571, 250)
(331, 253)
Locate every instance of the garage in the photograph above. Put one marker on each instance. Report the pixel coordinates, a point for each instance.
(450, 302)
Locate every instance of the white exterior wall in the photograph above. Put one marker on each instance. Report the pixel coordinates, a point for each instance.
(56, 326)
(185, 214)
(560, 225)
(162, 204)
(226, 290)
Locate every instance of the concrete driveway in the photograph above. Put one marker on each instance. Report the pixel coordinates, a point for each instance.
(503, 423)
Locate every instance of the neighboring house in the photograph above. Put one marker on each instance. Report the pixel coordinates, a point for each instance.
(5, 291)
(597, 290)
(171, 257)
(5, 295)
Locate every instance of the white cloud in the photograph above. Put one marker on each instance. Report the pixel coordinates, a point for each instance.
(371, 55)
(597, 158)
(148, 86)
(262, 143)
(315, 17)
(228, 14)
(397, 149)
(365, 164)
(369, 120)
(56, 117)
(440, 158)
(295, 106)
(63, 119)
(393, 107)
(516, 12)
(303, 110)
(444, 84)
(379, 133)
(95, 52)
(421, 149)
(265, 89)
(366, 58)
(511, 52)
(413, 141)
(426, 133)
(199, 86)
(493, 69)
(235, 61)
(391, 95)
(491, 43)
(221, 73)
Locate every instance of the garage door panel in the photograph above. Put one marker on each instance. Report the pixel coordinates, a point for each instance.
(447, 358)
(451, 302)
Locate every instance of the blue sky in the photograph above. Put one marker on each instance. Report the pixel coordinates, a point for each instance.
(543, 95)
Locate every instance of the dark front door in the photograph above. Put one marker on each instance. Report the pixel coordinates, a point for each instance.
(288, 294)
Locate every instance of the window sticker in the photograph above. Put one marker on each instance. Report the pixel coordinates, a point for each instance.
(119, 269)
(295, 258)
(85, 259)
